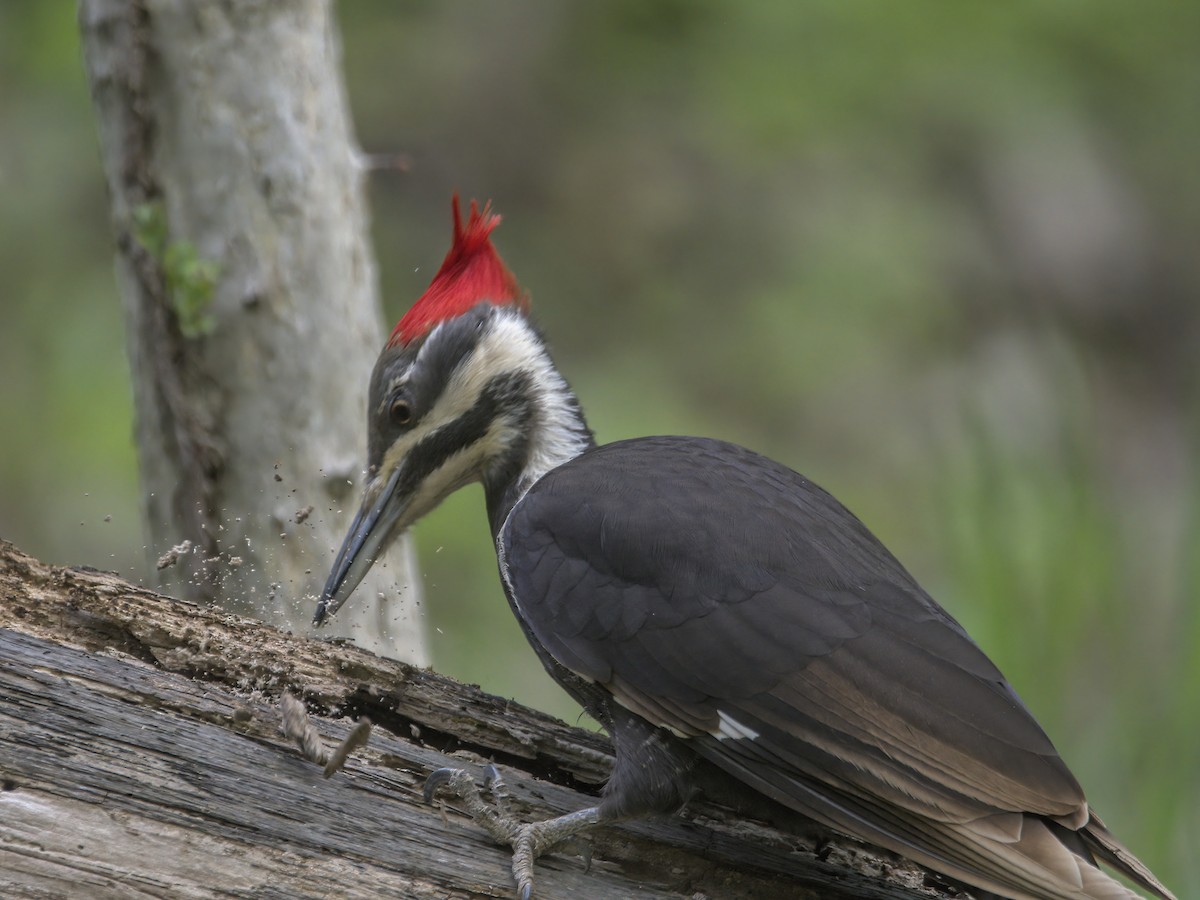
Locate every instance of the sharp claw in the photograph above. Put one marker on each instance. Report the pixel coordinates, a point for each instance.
(436, 779)
(495, 783)
(527, 892)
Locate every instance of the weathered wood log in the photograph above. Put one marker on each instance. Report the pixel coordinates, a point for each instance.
(141, 756)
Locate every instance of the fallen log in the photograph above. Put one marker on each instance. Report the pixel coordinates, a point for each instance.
(141, 756)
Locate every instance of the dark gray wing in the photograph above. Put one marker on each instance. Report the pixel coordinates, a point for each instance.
(723, 596)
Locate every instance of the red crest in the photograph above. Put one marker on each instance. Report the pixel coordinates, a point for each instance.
(472, 272)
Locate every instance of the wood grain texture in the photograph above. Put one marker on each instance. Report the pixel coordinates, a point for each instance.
(140, 756)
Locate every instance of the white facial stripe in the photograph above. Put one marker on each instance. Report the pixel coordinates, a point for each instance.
(556, 435)
(454, 401)
(404, 444)
(505, 349)
(511, 346)
(730, 729)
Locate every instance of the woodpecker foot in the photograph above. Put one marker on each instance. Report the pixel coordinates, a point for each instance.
(529, 841)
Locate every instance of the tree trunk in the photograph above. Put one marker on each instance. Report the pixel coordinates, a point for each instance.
(140, 756)
(250, 297)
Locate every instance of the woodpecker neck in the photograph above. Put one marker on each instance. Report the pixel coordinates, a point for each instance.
(543, 426)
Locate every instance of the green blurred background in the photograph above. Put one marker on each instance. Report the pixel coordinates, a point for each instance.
(943, 258)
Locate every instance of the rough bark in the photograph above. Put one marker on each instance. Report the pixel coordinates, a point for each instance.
(229, 153)
(140, 756)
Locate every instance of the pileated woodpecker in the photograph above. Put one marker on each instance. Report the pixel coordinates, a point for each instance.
(725, 619)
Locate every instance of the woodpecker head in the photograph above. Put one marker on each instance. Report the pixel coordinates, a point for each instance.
(464, 391)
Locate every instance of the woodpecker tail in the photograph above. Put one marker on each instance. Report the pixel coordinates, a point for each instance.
(1102, 843)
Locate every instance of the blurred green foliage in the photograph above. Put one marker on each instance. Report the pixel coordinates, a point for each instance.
(940, 257)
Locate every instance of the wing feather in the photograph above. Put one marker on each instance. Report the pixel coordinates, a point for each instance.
(732, 580)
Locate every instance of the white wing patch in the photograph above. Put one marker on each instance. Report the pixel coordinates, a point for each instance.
(730, 729)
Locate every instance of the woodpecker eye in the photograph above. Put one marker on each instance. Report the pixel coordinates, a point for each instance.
(400, 412)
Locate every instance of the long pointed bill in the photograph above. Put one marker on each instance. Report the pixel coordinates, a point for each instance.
(369, 533)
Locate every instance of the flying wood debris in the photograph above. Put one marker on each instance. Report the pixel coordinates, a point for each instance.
(172, 556)
(297, 726)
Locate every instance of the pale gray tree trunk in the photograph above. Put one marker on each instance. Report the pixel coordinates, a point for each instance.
(250, 297)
